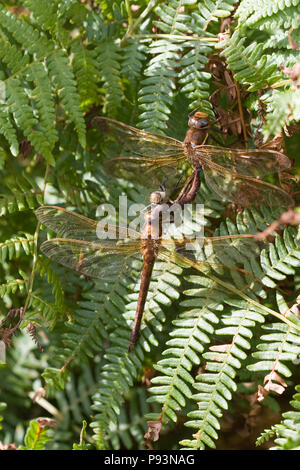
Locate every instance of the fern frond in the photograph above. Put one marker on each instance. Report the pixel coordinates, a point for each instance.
(7, 129)
(43, 13)
(195, 325)
(216, 384)
(12, 286)
(86, 72)
(172, 20)
(109, 58)
(282, 257)
(2, 408)
(22, 111)
(96, 316)
(25, 34)
(155, 96)
(64, 81)
(289, 434)
(116, 378)
(267, 15)
(288, 431)
(42, 96)
(193, 79)
(283, 109)
(134, 55)
(11, 55)
(44, 268)
(281, 344)
(12, 248)
(36, 436)
(37, 62)
(249, 64)
(211, 10)
(43, 307)
(268, 434)
(24, 194)
(131, 425)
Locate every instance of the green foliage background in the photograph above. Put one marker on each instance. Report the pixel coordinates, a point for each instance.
(61, 62)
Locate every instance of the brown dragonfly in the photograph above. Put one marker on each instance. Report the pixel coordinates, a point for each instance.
(232, 173)
(82, 248)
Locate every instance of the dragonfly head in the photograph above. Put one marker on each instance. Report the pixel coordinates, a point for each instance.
(157, 197)
(198, 120)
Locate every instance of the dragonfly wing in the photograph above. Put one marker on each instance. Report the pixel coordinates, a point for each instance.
(135, 140)
(68, 224)
(140, 156)
(249, 162)
(104, 261)
(246, 191)
(232, 248)
(229, 255)
(149, 172)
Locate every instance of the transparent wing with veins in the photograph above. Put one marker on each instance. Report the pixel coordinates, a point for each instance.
(235, 174)
(255, 163)
(139, 142)
(101, 260)
(229, 255)
(85, 251)
(68, 224)
(153, 158)
(107, 258)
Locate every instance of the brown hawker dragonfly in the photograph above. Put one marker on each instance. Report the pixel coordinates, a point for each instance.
(83, 248)
(234, 174)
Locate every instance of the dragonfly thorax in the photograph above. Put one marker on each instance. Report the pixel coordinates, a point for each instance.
(193, 138)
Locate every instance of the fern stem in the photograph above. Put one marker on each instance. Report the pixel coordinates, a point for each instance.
(253, 302)
(175, 37)
(132, 26)
(46, 405)
(35, 249)
(130, 20)
(241, 113)
(238, 292)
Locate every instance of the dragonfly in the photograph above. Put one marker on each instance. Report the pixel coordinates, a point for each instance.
(234, 174)
(82, 248)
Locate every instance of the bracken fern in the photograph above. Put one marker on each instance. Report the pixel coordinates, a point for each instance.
(205, 331)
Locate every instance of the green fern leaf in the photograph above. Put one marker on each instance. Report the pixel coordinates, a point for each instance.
(12, 248)
(86, 71)
(64, 81)
(108, 57)
(249, 64)
(36, 437)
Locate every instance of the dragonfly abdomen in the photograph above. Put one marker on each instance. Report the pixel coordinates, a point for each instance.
(148, 264)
